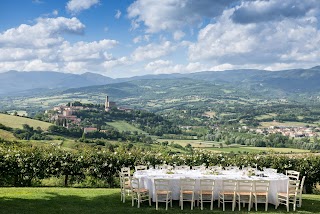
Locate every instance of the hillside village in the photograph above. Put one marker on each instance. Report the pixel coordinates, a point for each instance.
(64, 115)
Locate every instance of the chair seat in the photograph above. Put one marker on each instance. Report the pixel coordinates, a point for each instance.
(284, 194)
(187, 192)
(260, 193)
(205, 192)
(142, 190)
(244, 193)
(227, 193)
(163, 192)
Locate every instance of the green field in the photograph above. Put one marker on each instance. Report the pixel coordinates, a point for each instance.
(96, 201)
(124, 126)
(17, 122)
(290, 124)
(257, 150)
(6, 135)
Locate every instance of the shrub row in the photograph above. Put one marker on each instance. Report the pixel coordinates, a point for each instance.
(21, 166)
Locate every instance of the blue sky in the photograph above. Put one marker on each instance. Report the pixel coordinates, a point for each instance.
(121, 38)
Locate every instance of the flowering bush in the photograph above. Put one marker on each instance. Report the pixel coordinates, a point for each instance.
(20, 166)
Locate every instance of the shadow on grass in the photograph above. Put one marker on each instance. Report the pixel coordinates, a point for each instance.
(73, 203)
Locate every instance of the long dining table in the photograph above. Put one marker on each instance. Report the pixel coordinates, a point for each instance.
(278, 181)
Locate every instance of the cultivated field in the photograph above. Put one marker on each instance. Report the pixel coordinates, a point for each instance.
(17, 122)
(124, 126)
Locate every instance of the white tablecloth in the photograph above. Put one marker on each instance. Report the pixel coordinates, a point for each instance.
(278, 182)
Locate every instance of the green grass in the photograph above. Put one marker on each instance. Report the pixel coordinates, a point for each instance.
(96, 201)
(291, 124)
(124, 126)
(257, 149)
(17, 122)
(6, 135)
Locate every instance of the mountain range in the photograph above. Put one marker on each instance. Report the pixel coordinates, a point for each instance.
(294, 80)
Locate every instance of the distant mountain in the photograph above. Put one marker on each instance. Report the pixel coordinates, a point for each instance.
(18, 82)
(287, 81)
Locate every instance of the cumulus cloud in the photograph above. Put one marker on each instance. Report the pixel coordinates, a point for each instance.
(42, 47)
(152, 51)
(46, 32)
(262, 11)
(283, 41)
(76, 6)
(178, 35)
(174, 14)
(167, 66)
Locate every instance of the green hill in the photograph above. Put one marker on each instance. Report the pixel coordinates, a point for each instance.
(17, 122)
(124, 126)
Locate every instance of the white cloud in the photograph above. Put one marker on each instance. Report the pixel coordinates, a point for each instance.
(116, 62)
(281, 41)
(118, 14)
(86, 51)
(76, 6)
(167, 67)
(153, 51)
(46, 32)
(55, 12)
(141, 38)
(178, 35)
(174, 14)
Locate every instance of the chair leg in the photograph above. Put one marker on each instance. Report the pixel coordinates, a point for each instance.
(167, 201)
(156, 202)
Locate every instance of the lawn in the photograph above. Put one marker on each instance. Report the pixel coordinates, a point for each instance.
(96, 201)
(7, 135)
(289, 124)
(124, 126)
(17, 122)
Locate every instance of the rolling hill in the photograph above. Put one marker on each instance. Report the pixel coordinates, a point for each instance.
(17, 122)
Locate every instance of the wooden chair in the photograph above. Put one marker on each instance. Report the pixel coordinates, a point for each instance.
(244, 193)
(206, 192)
(139, 194)
(228, 193)
(140, 168)
(260, 193)
(299, 201)
(163, 192)
(182, 167)
(198, 167)
(187, 189)
(289, 197)
(292, 174)
(125, 186)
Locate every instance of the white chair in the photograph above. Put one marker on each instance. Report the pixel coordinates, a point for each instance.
(139, 194)
(228, 193)
(182, 167)
(289, 197)
(244, 193)
(198, 167)
(187, 186)
(140, 168)
(292, 174)
(260, 193)
(125, 187)
(206, 192)
(163, 192)
(164, 166)
(299, 201)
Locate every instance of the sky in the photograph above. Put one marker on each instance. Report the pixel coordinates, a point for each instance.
(123, 38)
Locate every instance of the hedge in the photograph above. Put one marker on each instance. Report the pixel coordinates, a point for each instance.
(21, 166)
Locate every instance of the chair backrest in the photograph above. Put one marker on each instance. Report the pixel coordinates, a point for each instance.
(245, 186)
(164, 166)
(182, 167)
(293, 187)
(124, 180)
(135, 185)
(206, 184)
(229, 185)
(187, 184)
(161, 184)
(140, 167)
(198, 167)
(125, 171)
(261, 186)
(301, 184)
(292, 174)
